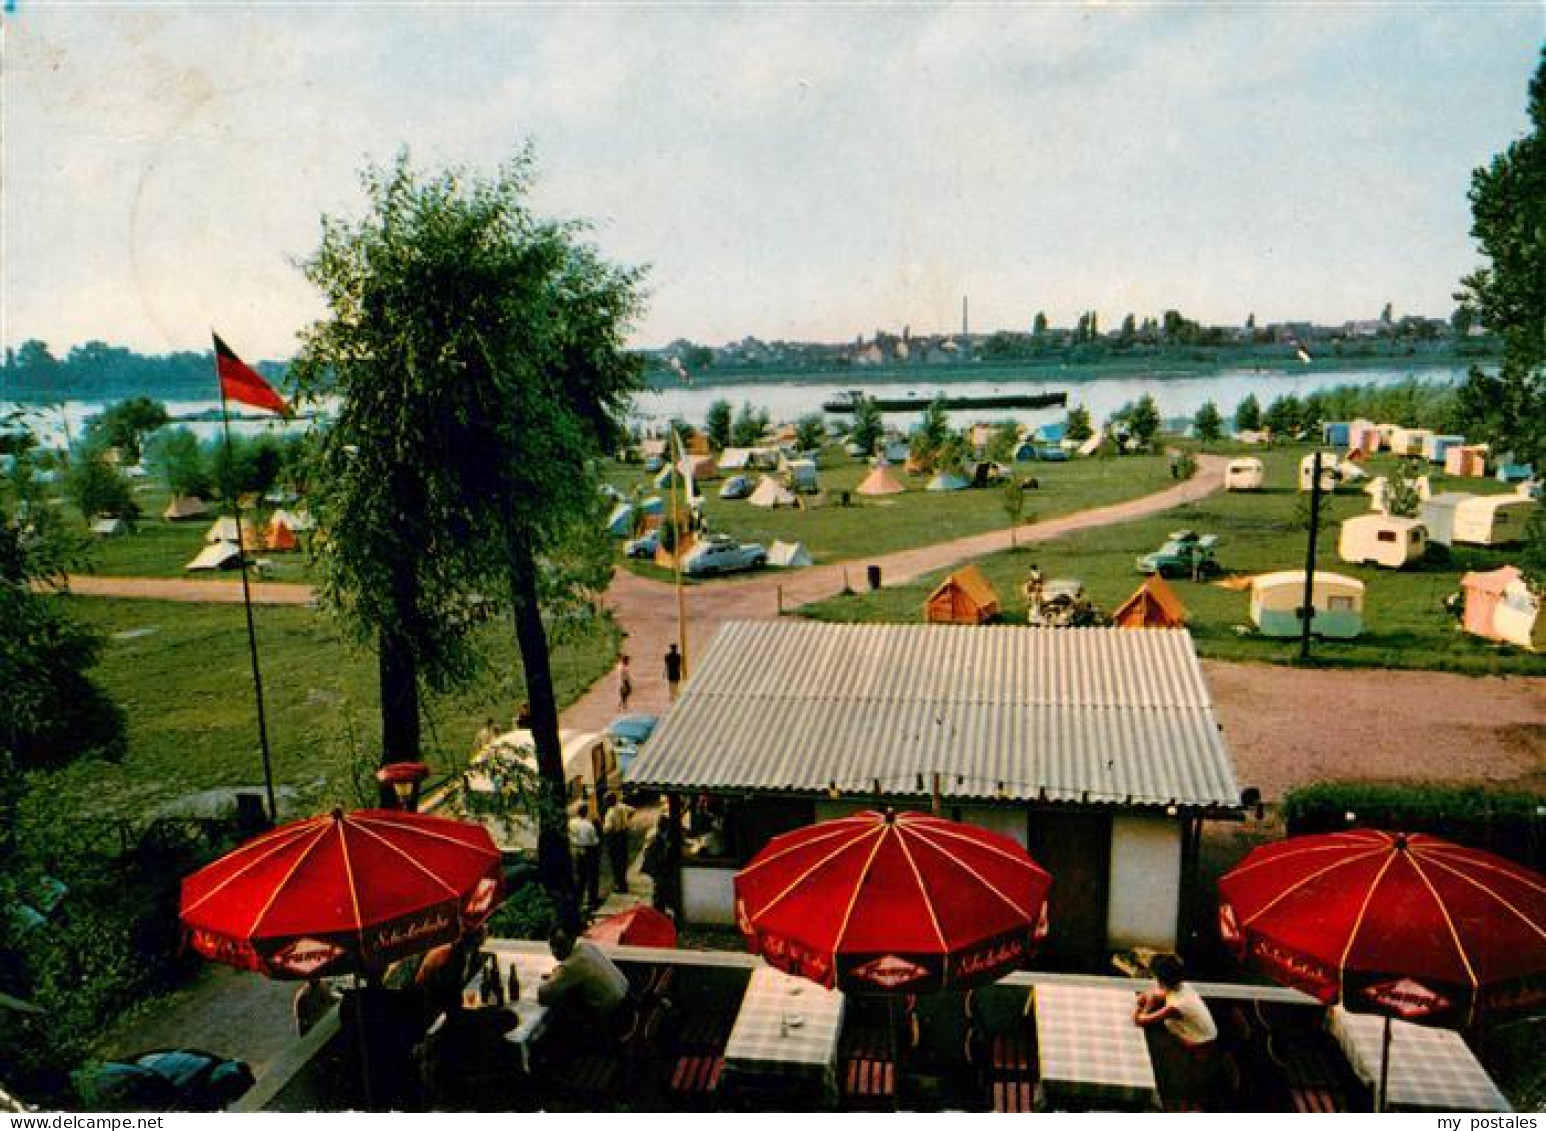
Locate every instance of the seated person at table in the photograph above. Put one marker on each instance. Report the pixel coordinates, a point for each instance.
(585, 992)
(1186, 1019)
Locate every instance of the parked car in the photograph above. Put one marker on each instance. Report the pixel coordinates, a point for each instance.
(736, 487)
(721, 554)
(1184, 554)
(165, 1080)
(1051, 453)
(628, 733)
(644, 546)
(1061, 603)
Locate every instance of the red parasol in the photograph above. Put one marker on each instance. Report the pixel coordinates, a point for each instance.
(902, 903)
(641, 925)
(1397, 923)
(342, 893)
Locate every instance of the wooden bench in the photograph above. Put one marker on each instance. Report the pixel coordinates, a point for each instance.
(696, 1075)
(1314, 1083)
(1014, 1094)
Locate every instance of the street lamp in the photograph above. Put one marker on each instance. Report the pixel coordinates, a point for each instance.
(405, 779)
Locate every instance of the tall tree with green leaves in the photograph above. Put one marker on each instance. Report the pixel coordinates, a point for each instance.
(749, 427)
(1208, 424)
(717, 424)
(868, 424)
(1402, 497)
(126, 424)
(809, 432)
(1078, 427)
(1013, 498)
(1282, 416)
(1508, 294)
(98, 489)
(1039, 324)
(1144, 420)
(478, 355)
(1248, 414)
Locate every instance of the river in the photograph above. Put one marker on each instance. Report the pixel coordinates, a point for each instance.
(789, 399)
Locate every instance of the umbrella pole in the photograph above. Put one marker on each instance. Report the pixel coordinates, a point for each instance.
(1379, 1098)
(896, 1066)
(359, 1027)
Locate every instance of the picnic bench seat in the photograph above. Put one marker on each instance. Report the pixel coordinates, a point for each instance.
(696, 1060)
(868, 1068)
(1315, 1082)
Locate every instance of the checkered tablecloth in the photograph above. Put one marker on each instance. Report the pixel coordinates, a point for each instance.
(1430, 1069)
(787, 1026)
(532, 1015)
(1089, 1048)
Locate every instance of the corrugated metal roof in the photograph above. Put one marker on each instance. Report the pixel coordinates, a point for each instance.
(1095, 715)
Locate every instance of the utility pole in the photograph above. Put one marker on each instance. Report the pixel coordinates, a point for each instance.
(1307, 611)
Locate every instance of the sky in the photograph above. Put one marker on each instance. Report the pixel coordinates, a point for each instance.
(796, 172)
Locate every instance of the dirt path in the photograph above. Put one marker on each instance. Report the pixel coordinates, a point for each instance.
(187, 589)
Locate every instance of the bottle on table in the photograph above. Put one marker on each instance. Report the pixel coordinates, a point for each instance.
(515, 983)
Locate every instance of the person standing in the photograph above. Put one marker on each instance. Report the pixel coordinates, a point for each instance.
(673, 673)
(624, 684)
(585, 844)
(614, 838)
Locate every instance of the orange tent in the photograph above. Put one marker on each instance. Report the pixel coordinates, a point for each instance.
(879, 482)
(1153, 605)
(965, 597)
(280, 538)
(1483, 593)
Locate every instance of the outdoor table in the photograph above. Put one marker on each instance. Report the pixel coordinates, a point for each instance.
(531, 1015)
(1091, 1052)
(788, 1028)
(1430, 1069)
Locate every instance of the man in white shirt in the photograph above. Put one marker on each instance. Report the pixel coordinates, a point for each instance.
(585, 844)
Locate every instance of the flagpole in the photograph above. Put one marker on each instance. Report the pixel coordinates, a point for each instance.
(676, 557)
(252, 636)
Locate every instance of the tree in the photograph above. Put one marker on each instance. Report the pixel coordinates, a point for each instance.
(1078, 428)
(809, 432)
(1386, 315)
(934, 426)
(125, 425)
(750, 425)
(1039, 324)
(868, 424)
(478, 356)
(51, 711)
(98, 489)
(1002, 444)
(1145, 420)
(1532, 559)
(1128, 332)
(1508, 294)
(1282, 416)
(717, 424)
(1402, 499)
(1208, 424)
(176, 457)
(1248, 414)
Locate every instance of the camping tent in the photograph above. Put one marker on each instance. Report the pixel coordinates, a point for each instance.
(735, 459)
(896, 451)
(1153, 605)
(1500, 606)
(1050, 433)
(965, 597)
(770, 493)
(1468, 460)
(802, 474)
(183, 507)
(280, 535)
(946, 481)
(879, 482)
(789, 555)
(299, 521)
(223, 529)
(620, 521)
(217, 555)
(109, 527)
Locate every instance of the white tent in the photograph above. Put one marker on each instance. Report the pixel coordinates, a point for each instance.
(1091, 444)
(223, 529)
(183, 507)
(219, 555)
(770, 493)
(109, 527)
(620, 521)
(789, 555)
(945, 481)
(735, 459)
(298, 521)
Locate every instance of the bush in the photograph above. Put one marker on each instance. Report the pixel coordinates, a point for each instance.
(1502, 822)
(527, 913)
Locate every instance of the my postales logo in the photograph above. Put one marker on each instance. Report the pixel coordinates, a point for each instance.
(1407, 997)
(890, 970)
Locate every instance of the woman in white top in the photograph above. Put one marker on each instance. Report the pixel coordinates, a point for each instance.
(1185, 1016)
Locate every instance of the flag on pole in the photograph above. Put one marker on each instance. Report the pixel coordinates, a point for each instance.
(240, 382)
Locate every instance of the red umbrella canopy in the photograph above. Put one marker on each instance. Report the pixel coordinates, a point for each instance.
(638, 926)
(1403, 924)
(901, 902)
(342, 892)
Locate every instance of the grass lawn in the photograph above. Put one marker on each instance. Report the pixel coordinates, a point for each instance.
(1405, 624)
(874, 526)
(181, 674)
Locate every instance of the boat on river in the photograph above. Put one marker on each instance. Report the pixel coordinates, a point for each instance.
(848, 400)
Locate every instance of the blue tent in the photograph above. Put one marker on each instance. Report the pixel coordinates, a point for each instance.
(1514, 472)
(653, 505)
(1026, 451)
(1335, 433)
(1050, 433)
(620, 523)
(1051, 452)
(945, 481)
